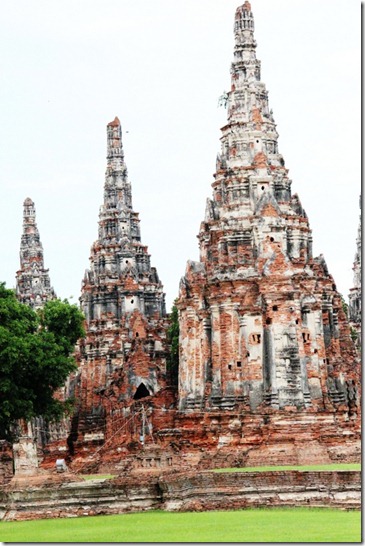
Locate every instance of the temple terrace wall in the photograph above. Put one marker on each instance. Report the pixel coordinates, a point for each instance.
(188, 491)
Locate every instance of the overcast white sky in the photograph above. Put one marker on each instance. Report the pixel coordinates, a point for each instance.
(68, 67)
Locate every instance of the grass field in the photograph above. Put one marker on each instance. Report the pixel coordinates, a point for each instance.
(253, 525)
(98, 476)
(317, 467)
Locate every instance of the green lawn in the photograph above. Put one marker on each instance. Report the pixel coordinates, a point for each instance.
(318, 467)
(252, 525)
(97, 476)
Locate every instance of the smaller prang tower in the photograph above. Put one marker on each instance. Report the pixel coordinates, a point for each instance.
(118, 253)
(355, 292)
(33, 286)
(123, 357)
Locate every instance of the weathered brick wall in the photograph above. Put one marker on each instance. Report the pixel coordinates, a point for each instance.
(207, 440)
(212, 491)
(6, 462)
(87, 498)
(227, 439)
(182, 492)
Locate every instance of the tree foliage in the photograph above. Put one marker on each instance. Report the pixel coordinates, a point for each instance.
(35, 357)
(353, 334)
(173, 339)
(345, 306)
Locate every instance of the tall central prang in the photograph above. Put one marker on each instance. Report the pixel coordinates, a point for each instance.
(261, 321)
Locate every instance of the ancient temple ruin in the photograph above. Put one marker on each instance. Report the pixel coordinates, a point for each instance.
(268, 372)
(261, 321)
(33, 286)
(123, 357)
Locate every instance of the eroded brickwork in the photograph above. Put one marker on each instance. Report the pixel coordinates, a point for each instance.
(6, 462)
(49, 497)
(261, 321)
(123, 357)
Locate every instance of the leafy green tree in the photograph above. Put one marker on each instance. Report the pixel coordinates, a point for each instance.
(345, 306)
(353, 334)
(35, 358)
(173, 339)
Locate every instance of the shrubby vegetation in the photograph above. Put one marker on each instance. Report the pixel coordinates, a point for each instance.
(35, 358)
(173, 340)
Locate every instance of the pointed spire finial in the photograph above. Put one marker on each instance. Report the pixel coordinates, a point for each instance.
(244, 26)
(117, 189)
(114, 123)
(115, 154)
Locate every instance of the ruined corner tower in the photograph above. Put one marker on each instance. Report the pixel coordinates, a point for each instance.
(123, 357)
(261, 322)
(33, 286)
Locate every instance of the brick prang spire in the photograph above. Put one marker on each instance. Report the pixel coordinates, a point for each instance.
(118, 253)
(261, 321)
(124, 353)
(33, 285)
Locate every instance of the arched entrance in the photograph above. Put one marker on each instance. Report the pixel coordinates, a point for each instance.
(141, 392)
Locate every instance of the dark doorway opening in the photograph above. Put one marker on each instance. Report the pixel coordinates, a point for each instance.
(141, 392)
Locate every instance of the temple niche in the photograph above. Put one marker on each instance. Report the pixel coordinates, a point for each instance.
(123, 357)
(262, 324)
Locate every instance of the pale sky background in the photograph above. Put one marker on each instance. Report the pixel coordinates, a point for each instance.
(68, 67)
